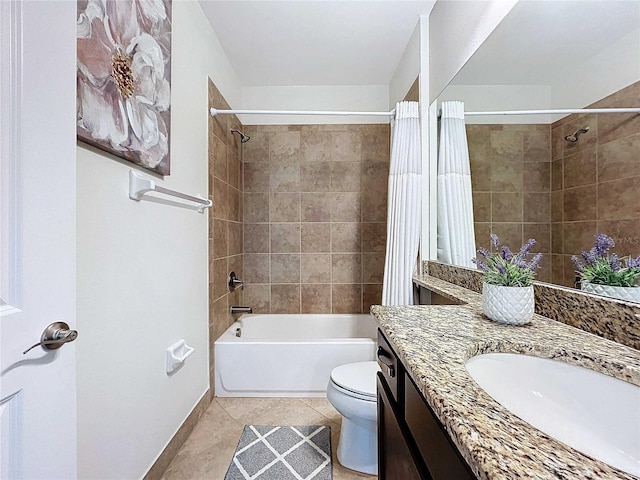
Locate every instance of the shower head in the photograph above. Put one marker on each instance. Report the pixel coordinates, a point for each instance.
(575, 135)
(243, 138)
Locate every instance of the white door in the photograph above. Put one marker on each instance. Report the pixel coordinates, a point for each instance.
(37, 241)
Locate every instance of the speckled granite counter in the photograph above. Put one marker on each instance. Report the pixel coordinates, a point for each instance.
(434, 342)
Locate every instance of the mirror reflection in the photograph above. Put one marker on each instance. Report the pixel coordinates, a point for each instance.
(560, 179)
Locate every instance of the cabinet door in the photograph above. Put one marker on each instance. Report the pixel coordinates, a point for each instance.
(395, 461)
(434, 444)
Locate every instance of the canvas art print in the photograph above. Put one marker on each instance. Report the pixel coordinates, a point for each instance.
(124, 79)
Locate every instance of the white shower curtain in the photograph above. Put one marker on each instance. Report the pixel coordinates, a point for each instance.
(456, 238)
(403, 215)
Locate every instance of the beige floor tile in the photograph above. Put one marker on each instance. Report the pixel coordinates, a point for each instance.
(248, 410)
(294, 412)
(208, 451)
(209, 465)
(323, 406)
(216, 430)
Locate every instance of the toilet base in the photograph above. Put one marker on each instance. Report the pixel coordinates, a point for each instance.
(358, 446)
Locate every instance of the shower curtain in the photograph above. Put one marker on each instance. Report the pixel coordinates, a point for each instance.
(456, 237)
(403, 215)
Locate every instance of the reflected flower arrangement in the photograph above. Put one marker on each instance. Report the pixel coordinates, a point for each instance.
(123, 79)
(600, 267)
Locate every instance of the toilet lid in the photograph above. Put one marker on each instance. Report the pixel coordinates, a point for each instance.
(357, 377)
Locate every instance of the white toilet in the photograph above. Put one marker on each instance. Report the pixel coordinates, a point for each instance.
(352, 391)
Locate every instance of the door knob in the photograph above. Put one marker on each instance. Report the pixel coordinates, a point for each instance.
(54, 336)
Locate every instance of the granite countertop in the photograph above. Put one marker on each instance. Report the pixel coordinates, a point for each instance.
(434, 342)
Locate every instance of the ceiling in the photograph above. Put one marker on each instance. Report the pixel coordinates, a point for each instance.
(308, 42)
(360, 42)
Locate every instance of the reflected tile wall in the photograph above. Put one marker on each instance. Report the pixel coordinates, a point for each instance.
(511, 175)
(315, 199)
(225, 219)
(596, 182)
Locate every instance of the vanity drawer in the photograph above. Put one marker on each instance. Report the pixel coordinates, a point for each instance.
(389, 364)
(440, 455)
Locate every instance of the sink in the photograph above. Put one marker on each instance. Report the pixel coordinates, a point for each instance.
(596, 414)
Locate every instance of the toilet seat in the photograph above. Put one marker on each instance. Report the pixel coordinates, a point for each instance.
(356, 379)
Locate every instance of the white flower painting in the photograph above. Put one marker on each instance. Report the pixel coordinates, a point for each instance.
(124, 79)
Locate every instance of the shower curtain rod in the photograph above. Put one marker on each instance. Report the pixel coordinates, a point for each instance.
(215, 111)
(559, 112)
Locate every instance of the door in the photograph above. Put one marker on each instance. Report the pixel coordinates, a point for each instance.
(395, 460)
(37, 237)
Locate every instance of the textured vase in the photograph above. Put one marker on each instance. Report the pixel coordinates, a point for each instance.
(630, 294)
(512, 305)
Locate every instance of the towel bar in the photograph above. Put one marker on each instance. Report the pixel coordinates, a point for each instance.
(139, 186)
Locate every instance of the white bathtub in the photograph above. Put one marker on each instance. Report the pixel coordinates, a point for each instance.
(289, 355)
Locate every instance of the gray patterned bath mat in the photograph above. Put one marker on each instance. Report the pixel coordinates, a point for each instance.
(282, 453)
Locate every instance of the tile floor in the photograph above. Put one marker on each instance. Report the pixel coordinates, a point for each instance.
(207, 452)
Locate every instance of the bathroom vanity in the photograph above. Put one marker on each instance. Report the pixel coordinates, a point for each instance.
(434, 420)
(411, 441)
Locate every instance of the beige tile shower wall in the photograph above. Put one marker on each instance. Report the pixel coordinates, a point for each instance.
(596, 182)
(511, 182)
(225, 219)
(315, 209)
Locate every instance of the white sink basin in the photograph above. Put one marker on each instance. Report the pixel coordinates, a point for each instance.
(591, 412)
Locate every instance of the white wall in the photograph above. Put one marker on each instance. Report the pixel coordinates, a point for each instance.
(572, 87)
(456, 30)
(483, 98)
(582, 86)
(428, 131)
(360, 98)
(407, 71)
(143, 277)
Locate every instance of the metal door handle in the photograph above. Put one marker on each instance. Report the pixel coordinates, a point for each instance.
(54, 336)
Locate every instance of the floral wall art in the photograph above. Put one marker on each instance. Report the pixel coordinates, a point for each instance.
(123, 79)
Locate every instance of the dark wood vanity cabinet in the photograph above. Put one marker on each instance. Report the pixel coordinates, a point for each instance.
(412, 444)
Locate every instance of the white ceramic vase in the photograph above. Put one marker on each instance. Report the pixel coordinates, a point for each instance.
(512, 305)
(630, 294)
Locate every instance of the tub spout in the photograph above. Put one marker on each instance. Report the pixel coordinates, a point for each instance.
(238, 309)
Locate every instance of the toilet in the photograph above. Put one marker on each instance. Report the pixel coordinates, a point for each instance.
(352, 392)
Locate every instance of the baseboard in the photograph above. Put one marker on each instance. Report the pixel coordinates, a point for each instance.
(164, 459)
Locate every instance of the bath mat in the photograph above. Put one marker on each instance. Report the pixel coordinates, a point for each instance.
(282, 453)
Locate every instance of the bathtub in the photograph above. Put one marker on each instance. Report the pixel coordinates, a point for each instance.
(289, 355)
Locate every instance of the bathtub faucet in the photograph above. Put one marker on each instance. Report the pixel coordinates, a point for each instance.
(235, 282)
(238, 309)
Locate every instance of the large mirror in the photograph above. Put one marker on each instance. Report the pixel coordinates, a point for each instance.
(556, 178)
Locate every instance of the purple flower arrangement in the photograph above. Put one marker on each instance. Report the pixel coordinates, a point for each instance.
(603, 268)
(502, 267)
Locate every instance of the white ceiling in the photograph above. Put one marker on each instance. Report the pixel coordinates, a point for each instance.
(360, 42)
(308, 42)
